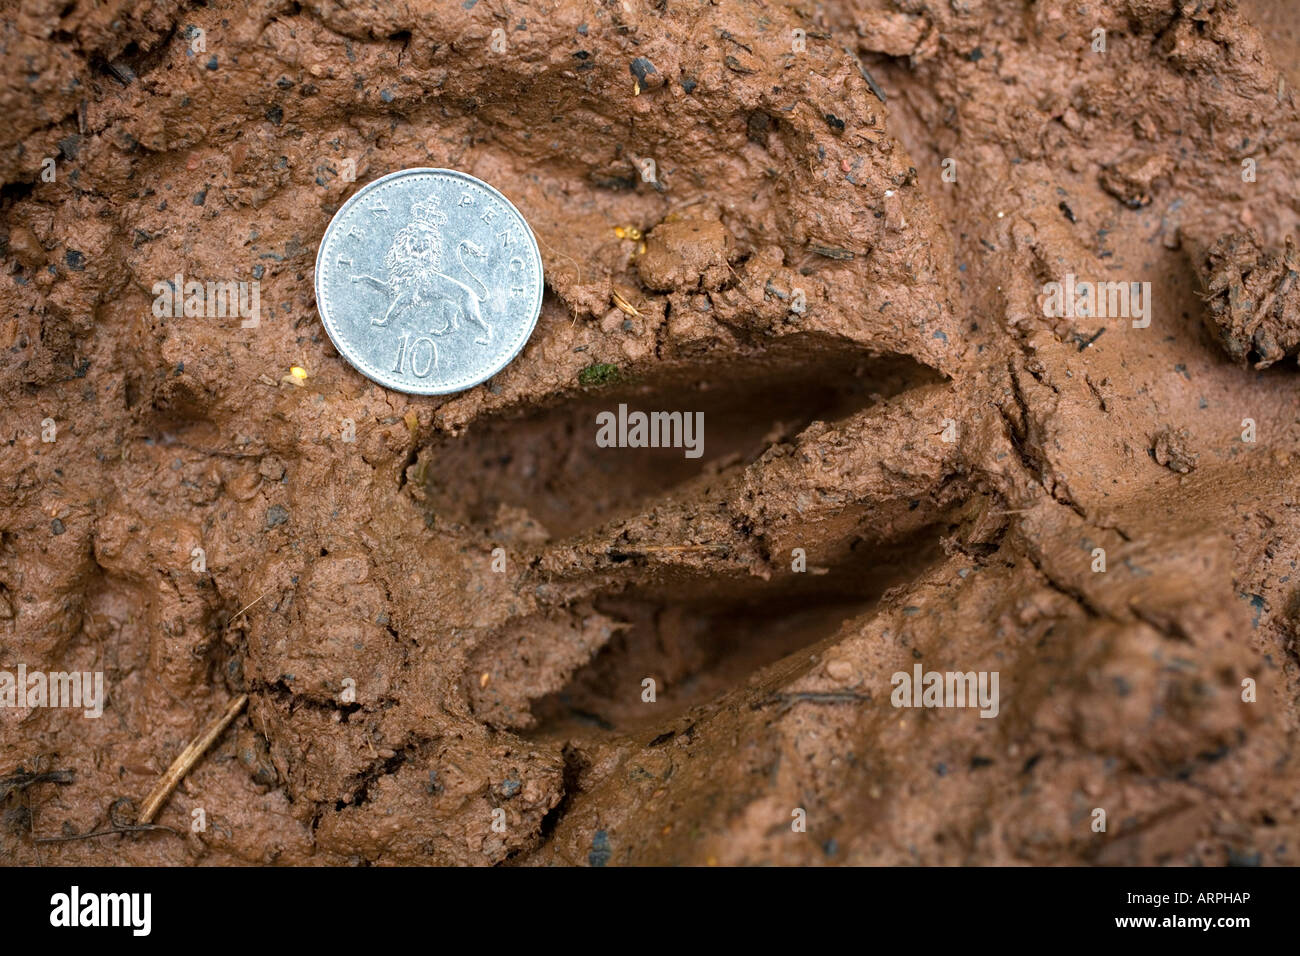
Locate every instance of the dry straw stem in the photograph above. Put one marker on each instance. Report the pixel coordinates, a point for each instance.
(188, 758)
(624, 306)
(246, 607)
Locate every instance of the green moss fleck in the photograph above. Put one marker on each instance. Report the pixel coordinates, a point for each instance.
(602, 373)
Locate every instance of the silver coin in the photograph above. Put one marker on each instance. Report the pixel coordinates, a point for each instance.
(428, 281)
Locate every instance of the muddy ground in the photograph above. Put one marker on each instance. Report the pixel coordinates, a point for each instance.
(840, 257)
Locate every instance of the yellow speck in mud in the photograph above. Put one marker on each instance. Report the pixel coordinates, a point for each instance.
(620, 232)
(299, 373)
(636, 87)
(412, 421)
(484, 678)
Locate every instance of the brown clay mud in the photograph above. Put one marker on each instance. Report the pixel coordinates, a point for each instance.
(829, 230)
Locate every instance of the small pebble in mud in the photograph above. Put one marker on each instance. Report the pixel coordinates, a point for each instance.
(56, 526)
(839, 670)
(685, 253)
(1169, 449)
(1253, 299)
(255, 757)
(642, 68)
(243, 486)
(276, 515)
(1131, 180)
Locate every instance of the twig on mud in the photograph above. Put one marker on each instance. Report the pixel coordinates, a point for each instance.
(186, 761)
(862, 70)
(124, 74)
(217, 452)
(641, 550)
(683, 547)
(114, 826)
(246, 607)
(18, 783)
(20, 780)
(108, 831)
(789, 699)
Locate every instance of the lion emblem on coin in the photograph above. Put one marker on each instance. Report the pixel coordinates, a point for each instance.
(417, 273)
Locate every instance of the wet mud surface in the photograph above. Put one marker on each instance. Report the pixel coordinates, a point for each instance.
(831, 229)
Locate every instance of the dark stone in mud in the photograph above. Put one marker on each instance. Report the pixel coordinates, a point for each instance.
(641, 68)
